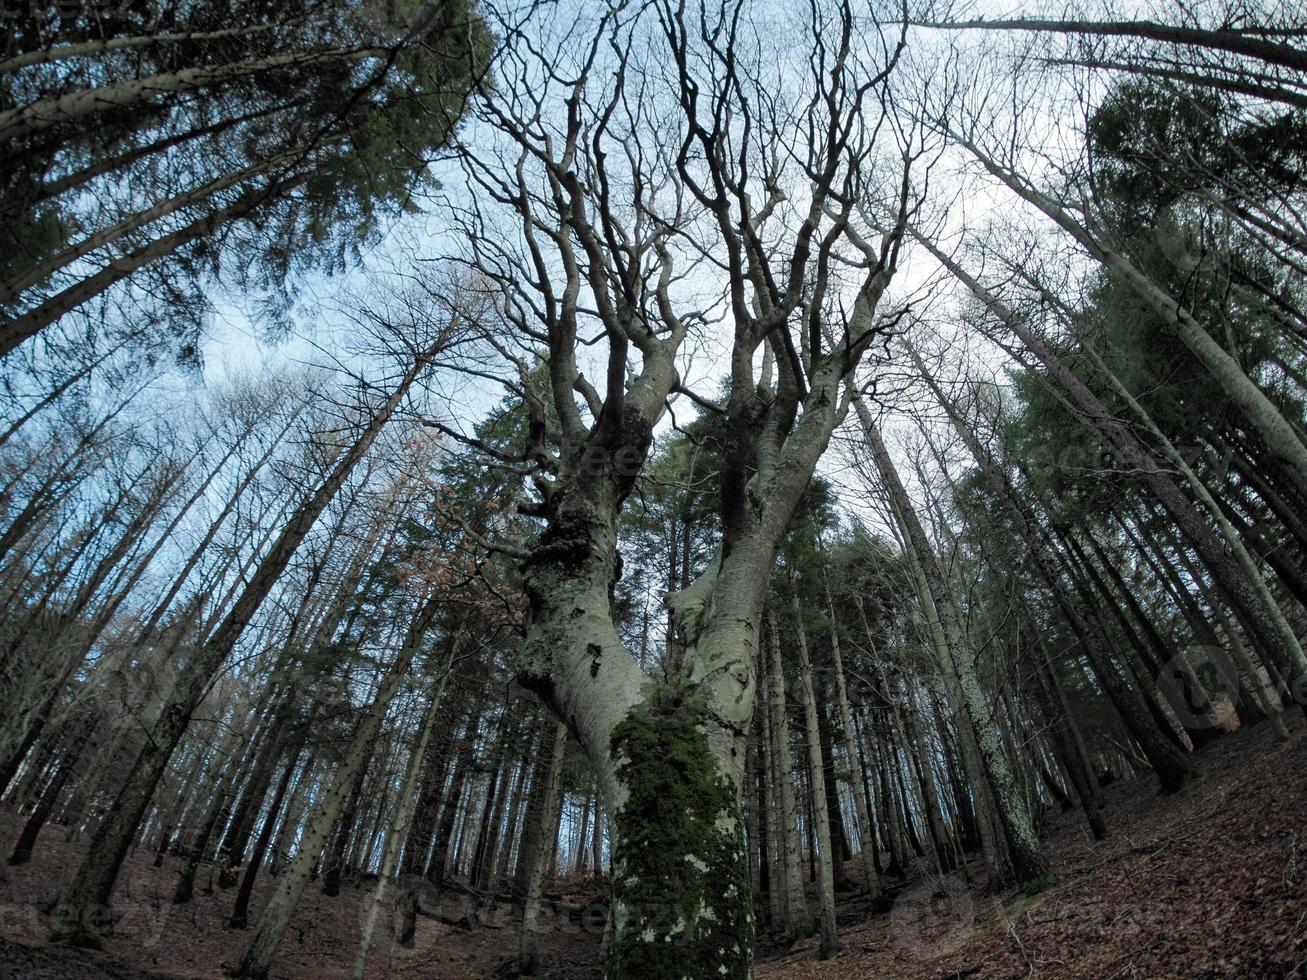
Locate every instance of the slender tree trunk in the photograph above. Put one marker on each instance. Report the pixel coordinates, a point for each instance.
(334, 861)
(272, 924)
(71, 753)
(541, 856)
(768, 784)
(857, 785)
(1261, 413)
(400, 820)
(463, 764)
(1029, 865)
(597, 843)
(826, 856)
(797, 922)
(511, 827)
(241, 910)
(75, 106)
(92, 886)
(1247, 599)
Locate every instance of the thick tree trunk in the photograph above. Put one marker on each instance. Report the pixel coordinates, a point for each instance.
(682, 901)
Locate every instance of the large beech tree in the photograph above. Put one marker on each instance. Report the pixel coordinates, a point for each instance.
(763, 188)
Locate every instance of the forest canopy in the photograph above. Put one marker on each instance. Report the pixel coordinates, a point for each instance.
(728, 475)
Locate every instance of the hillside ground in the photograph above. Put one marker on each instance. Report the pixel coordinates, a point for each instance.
(1209, 883)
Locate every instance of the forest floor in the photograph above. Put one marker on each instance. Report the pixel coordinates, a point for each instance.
(1209, 883)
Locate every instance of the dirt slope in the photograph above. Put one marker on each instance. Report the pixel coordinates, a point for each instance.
(1210, 883)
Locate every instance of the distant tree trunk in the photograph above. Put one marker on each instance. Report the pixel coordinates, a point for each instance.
(483, 858)
(797, 922)
(299, 798)
(920, 760)
(92, 886)
(511, 826)
(533, 822)
(1070, 748)
(544, 843)
(463, 765)
(768, 784)
(334, 860)
(401, 819)
(892, 822)
(219, 809)
(263, 944)
(427, 804)
(81, 731)
(1173, 767)
(1029, 865)
(231, 852)
(241, 910)
(597, 842)
(827, 856)
(579, 859)
(857, 783)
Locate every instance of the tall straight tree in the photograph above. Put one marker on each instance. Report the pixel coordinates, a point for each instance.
(92, 887)
(141, 143)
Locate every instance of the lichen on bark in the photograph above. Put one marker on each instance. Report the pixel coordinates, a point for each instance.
(682, 904)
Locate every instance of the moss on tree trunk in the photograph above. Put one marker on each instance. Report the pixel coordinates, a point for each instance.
(682, 902)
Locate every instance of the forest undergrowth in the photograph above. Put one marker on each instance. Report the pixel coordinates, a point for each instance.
(1207, 883)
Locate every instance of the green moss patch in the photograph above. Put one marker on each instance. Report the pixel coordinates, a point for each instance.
(682, 905)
